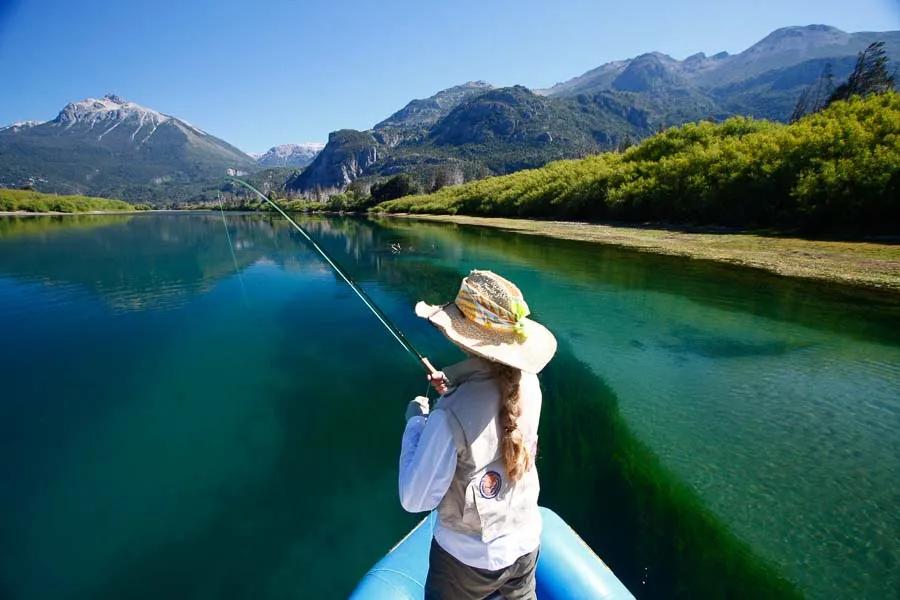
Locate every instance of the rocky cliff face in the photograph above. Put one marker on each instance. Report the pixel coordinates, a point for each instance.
(351, 154)
(344, 159)
(427, 111)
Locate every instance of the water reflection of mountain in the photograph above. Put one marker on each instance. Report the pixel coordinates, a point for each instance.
(145, 261)
(41, 225)
(153, 261)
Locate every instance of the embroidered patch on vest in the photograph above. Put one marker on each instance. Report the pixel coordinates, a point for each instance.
(489, 486)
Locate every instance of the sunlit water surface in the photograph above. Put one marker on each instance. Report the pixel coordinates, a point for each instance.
(176, 423)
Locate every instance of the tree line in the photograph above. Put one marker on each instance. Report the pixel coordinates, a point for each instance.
(835, 170)
(26, 200)
(870, 75)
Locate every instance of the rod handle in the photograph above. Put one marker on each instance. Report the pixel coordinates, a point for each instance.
(428, 366)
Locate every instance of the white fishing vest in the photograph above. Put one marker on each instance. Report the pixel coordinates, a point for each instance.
(481, 500)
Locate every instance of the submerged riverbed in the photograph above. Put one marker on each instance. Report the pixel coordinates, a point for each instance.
(179, 422)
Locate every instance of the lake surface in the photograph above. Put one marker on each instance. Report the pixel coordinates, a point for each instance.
(176, 421)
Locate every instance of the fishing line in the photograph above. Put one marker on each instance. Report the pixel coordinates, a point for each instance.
(383, 318)
(233, 257)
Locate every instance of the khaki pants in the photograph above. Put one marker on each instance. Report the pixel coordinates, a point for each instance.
(449, 579)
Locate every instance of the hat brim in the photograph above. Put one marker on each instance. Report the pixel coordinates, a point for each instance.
(530, 352)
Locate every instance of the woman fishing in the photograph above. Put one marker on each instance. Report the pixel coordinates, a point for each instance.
(473, 456)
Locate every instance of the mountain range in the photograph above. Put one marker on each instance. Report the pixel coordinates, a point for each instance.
(476, 130)
(113, 147)
(289, 155)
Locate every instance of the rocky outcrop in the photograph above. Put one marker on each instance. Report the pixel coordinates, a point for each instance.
(351, 154)
(428, 111)
(649, 72)
(344, 159)
(505, 113)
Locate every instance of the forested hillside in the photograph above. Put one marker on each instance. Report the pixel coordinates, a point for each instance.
(837, 170)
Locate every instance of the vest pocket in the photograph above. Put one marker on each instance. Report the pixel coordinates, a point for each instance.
(492, 495)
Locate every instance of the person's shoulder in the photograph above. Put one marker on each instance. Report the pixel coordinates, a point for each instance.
(471, 369)
(530, 384)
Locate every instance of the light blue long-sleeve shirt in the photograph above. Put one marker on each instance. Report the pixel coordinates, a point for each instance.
(427, 465)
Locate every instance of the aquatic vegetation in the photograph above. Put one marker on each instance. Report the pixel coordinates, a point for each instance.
(837, 170)
(652, 530)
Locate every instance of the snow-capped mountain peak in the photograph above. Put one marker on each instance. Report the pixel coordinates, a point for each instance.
(103, 115)
(19, 125)
(108, 108)
(290, 155)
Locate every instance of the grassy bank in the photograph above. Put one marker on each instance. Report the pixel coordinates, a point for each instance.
(835, 171)
(36, 202)
(874, 264)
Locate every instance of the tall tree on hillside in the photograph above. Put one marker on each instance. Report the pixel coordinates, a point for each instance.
(395, 187)
(815, 97)
(869, 76)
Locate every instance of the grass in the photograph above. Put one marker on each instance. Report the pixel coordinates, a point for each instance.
(872, 263)
(36, 202)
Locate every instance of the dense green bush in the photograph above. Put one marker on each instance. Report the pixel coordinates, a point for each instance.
(834, 171)
(395, 187)
(31, 201)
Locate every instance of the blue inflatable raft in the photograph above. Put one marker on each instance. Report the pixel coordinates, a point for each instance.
(566, 568)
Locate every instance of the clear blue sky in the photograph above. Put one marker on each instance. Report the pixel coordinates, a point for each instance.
(270, 72)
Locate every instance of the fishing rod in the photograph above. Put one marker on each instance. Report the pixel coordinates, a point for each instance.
(379, 314)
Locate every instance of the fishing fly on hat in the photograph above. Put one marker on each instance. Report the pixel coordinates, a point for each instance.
(489, 318)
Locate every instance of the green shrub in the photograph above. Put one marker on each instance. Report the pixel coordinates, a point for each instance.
(395, 187)
(837, 170)
(32, 201)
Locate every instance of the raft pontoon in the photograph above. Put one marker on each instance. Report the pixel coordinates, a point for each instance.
(567, 567)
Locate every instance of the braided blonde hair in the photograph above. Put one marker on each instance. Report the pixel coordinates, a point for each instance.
(516, 457)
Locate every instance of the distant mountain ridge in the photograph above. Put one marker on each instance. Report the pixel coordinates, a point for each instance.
(349, 154)
(428, 111)
(116, 148)
(780, 49)
(19, 125)
(289, 155)
(763, 81)
(474, 130)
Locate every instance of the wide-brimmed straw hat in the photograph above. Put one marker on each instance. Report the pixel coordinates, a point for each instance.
(489, 319)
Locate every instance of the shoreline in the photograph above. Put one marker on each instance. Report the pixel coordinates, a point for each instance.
(869, 264)
(25, 213)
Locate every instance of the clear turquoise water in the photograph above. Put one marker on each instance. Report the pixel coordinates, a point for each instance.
(171, 428)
